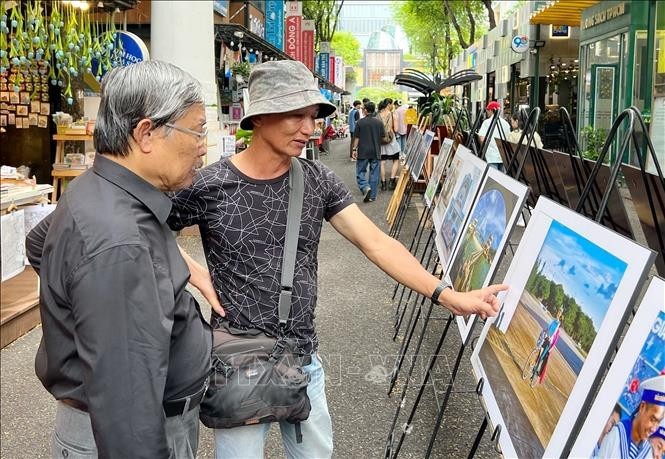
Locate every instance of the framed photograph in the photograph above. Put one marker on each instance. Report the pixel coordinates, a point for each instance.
(415, 148)
(571, 284)
(22, 110)
(421, 154)
(3, 120)
(4, 105)
(32, 119)
(559, 31)
(455, 199)
(35, 106)
(640, 357)
(440, 166)
(45, 108)
(409, 142)
(4, 96)
(11, 119)
(14, 98)
(492, 218)
(24, 97)
(42, 121)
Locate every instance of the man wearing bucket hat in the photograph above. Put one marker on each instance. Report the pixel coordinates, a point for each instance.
(501, 130)
(629, 438)
(240, 204)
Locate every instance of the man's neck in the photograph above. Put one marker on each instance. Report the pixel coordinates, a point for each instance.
(260, 162)
(130, 163)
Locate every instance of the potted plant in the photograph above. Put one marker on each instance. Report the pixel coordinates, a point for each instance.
(439, 108)
(241, 71)
(593, 141)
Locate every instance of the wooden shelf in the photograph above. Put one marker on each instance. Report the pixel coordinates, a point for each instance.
(19, 307)
(67, 172)
(74, 137)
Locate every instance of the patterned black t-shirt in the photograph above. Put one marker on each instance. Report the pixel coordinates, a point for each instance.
(243, 223)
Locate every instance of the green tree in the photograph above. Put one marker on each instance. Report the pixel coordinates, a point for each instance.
(325, 14)
(347, 46)
(378, 93)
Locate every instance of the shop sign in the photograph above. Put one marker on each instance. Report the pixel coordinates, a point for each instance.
(129, 49)
(275, 23)
(520, 43)
(308, 28)
(331, 70)
(604, 15)
(292, 35)
(339, 70)
(324, 64)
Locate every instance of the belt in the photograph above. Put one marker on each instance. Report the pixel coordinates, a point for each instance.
(182, 405)
(75, 404)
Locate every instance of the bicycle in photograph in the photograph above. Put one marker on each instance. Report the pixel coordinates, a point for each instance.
(531, 367)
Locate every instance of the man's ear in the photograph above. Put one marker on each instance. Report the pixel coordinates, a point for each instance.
(144, 135)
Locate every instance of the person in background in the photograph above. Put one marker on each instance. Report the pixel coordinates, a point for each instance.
(400, 118)
(366, 149)
(362, 112)
(517, 128)
(240, 205)
(501, 130)
(125, 349)
(354, 116)
(389, 152)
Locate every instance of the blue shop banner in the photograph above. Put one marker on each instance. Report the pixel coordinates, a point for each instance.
(323, 60)
(275, 23)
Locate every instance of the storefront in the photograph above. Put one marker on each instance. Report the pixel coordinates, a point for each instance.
(622, 64)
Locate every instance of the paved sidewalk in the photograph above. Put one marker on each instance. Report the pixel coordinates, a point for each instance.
(354, 322)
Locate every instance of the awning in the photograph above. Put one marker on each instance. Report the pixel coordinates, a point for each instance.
(561, 12)
(235, 32)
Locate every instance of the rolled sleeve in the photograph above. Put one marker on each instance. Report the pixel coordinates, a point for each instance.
(123, 319)
(34, 242)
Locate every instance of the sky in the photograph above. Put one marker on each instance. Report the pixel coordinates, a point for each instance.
(587, 272)
(491, 214)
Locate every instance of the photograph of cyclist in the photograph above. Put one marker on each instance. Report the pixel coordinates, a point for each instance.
(534, 357)
(552, 336)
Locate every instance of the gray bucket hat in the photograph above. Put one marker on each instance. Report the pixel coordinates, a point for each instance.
(283, 86)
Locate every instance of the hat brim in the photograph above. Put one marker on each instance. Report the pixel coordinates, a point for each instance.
(285, 104)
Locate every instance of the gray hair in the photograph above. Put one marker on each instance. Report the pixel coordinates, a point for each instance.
(158, 91)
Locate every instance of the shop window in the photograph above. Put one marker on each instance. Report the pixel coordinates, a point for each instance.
(658, 92)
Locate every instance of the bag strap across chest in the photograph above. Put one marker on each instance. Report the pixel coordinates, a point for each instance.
(296, 194)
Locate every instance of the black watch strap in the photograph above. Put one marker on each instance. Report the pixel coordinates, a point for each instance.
(444, 284)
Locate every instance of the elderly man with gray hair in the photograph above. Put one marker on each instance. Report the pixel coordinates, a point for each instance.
(125, 350)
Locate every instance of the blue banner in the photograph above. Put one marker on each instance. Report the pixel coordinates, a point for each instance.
(275, 23)
(323, 60)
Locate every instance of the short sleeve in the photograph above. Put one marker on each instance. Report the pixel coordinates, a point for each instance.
(338, 196)
(188, 207)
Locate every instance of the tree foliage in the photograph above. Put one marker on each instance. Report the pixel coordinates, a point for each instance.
(440, 29)
(325, 14)
(577, 324)
(347, 46)
(378, 93)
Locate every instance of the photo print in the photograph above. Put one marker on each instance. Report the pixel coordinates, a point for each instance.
(483, 237)
(421, 154)
(640, 358)
(457, 194)
(411, 141)
(571, 282)
(440, 166)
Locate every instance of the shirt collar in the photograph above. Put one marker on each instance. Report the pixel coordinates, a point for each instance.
(154, 199)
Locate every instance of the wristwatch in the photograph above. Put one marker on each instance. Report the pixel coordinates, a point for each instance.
(444, 284)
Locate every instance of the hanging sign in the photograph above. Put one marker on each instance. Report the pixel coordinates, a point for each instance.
(520, 43)
(275, 23)
(308, 43)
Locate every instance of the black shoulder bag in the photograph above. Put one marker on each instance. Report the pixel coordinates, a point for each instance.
(257, 378)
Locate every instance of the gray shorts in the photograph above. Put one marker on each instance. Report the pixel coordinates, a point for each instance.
(73, 439)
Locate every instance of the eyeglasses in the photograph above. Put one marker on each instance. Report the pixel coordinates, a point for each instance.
(201, 136)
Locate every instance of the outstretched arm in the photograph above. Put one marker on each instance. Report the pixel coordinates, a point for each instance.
(200, 278)
(396, 261)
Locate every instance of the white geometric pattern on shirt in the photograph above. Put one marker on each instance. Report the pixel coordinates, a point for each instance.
(242, 223)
